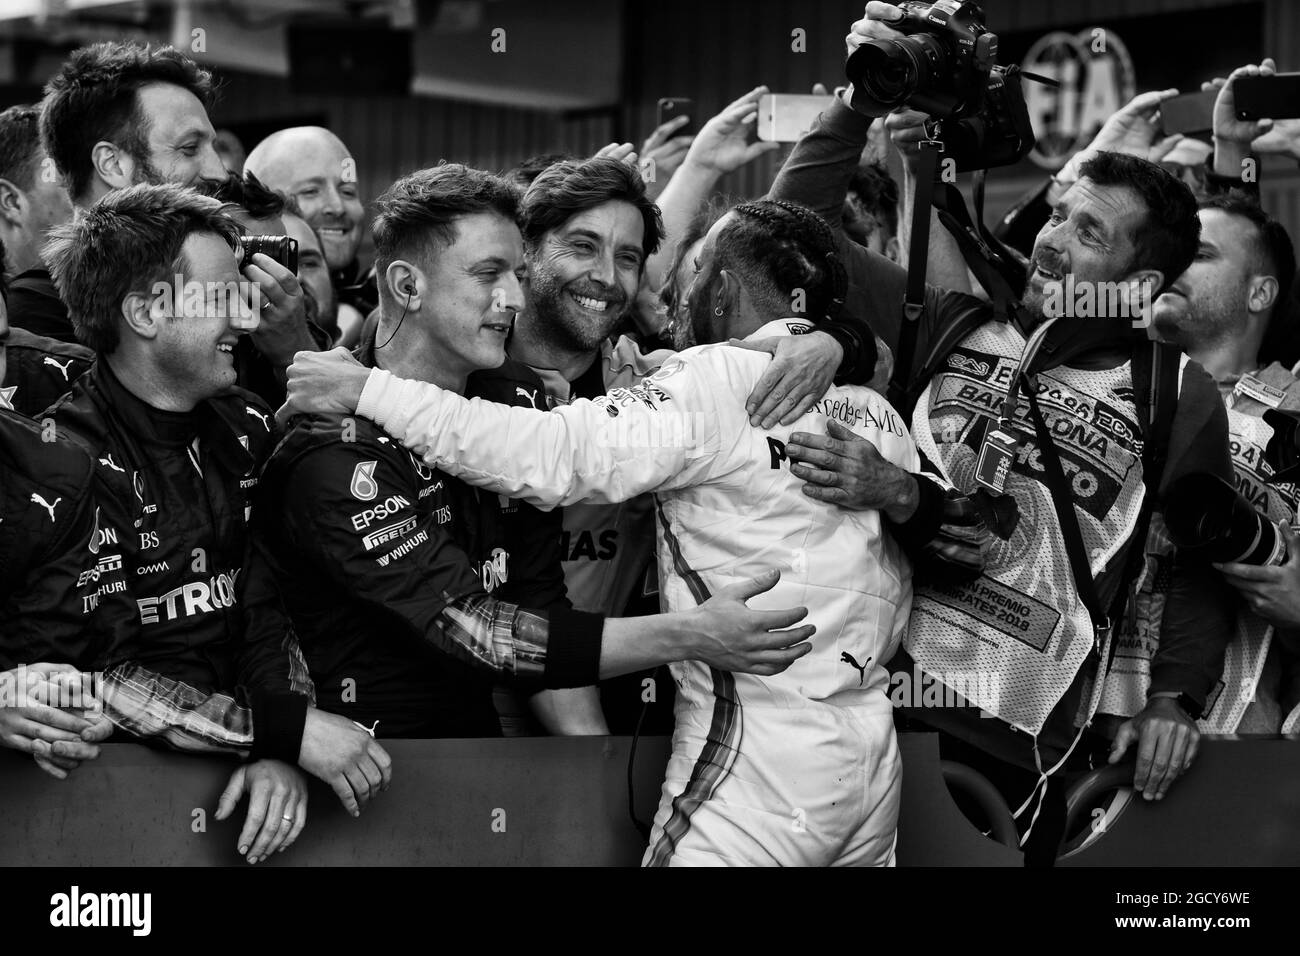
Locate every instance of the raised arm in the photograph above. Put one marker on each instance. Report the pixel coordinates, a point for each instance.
(662, 433)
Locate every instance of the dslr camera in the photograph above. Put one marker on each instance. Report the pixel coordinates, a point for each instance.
(283, 249)
(947, 66)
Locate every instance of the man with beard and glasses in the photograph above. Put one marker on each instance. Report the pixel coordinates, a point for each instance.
(800, 768)
(116, 114)
(589, 230)
(1222, 312)
(315, 170)
(1029, 639)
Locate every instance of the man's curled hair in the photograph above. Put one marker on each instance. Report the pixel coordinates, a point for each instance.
(127, 242)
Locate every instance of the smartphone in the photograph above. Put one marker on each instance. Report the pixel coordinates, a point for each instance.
(672, 107)
(1267, 97)
(1189, 112)
(786, 117)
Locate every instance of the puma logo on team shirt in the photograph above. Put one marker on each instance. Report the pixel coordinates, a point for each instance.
(849, 659)
(61, 366)
(259, 416)
(108, 462)
(38, 500)
(531, 396)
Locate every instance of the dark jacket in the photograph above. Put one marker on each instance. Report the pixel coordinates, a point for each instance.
(172, 492)
(38, 370)
(48, 561)
(399, 578)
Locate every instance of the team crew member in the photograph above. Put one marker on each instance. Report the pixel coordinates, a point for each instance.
(752, 756)
(45, 522)
(34, 370)
(416, 566)
(177, 617)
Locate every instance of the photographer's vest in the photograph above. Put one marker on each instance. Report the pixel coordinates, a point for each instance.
(1022, 620)
(1130, 674)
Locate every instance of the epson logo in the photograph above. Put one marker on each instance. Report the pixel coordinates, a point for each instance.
(389, 533)
(385, 509)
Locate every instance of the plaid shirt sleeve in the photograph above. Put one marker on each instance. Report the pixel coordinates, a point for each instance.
(513, 640)
(147, 704)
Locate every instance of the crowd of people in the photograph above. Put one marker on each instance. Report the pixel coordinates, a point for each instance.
(269, 501)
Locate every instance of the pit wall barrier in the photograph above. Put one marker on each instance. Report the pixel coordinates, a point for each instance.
(563, 801)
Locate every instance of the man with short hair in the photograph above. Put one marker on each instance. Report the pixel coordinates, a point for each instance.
(182, 615)
(800, 768)
(397, 575)
(315, 170)
(115, 114)
(32, 199)
(1036, 622)
(1221, 312)
(589, 231)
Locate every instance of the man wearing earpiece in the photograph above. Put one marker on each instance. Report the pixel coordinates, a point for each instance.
(411, 592)
(800, 768)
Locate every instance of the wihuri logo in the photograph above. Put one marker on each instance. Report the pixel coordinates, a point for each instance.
(76, 909)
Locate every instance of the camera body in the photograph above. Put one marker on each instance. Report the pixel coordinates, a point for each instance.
(946, 66)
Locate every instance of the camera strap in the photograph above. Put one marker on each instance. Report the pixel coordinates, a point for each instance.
(1063, 503)
(1155, 378)
(917, 254)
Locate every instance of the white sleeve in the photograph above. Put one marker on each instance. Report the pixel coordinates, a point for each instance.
(660, 434)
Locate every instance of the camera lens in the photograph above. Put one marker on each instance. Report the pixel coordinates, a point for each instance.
(1208, 519)
(891, 71)
(283, 249)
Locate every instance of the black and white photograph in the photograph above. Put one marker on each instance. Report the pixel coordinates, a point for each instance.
(518, 434)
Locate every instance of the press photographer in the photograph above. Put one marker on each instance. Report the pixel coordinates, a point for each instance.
(1071, 472)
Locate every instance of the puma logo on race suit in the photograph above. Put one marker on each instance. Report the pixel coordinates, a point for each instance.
(848, 658)
(38, 500)
(531, 396)
(61, 366)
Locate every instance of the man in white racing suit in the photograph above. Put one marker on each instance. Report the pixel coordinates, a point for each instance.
(798, 768)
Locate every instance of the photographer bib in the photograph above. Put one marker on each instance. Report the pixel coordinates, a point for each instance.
(1022, 620)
